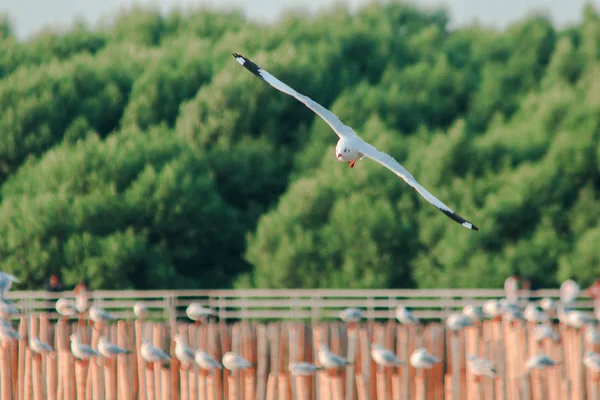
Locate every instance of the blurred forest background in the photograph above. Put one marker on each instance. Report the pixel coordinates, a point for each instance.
(141, 155)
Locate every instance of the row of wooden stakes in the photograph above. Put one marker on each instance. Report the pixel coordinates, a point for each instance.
(272, 347)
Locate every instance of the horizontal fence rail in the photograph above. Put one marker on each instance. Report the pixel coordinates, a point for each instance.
(432, 304)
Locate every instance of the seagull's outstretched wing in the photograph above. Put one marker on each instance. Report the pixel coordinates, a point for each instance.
(390, 163)
(332, 120)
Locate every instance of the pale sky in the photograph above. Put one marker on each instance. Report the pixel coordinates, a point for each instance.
(30, 16)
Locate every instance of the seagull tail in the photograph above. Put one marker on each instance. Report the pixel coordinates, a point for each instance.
(455, 217)
(246, 63)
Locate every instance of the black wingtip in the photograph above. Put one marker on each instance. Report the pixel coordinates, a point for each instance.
(459, 219)
(246, 63)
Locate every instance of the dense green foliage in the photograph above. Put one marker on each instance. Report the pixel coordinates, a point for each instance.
(142, 155)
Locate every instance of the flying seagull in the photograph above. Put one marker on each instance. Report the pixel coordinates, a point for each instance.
(350, 147)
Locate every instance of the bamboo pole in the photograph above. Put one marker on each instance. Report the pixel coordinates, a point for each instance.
(165, 375)
(284, 388)
(141, 375)
(361, 388)
(28, 384)
(38, 378)
(123, 366)
(233, 389)
(150, 386)
(302, 388)
(211, 388)
(80, 379)
(21, 360)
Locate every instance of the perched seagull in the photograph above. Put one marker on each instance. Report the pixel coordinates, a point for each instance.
(406, 317)
(475, 313)
(350, 147)
(206, 362)
(7, 333)
(151, 354)
(82, 301)
(6, 281)
(183, 353)
(7, 309)
(384, 357)
(542, 332)
(481, 367)
(39, 347)
(330, 360)
(82, 351)
(110, 350)
(592, 337)
(592, 361)
(352, 315)
(99, 315)
(512, 315)
(233, 361)
(534, 314)
(492, 308)
(197, 312)
(458, 321)
(421, 359)
(66, 308)
(569, 291)
(547, 304)
(539, 361)
(303, 369)
(578, 319)
(140, 310)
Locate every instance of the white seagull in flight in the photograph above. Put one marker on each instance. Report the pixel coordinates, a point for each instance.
(350, 147)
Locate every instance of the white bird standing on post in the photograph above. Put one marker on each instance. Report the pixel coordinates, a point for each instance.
(350, 147)
(197, 312)
(151, 354)
(110, 350)
(183, 353)
(475, 313)
(66, 308)
(421, 359)
(492, 309)
(141, 310)
(534, 314)
(39, 347)
(330, 360)
(480, 367)
(82, 351)
(384, 357)
(234, 362)
(206, 362)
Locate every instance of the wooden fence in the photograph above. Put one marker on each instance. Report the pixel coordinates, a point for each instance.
(304, 304)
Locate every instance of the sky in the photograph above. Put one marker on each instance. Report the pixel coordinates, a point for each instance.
(31, 16)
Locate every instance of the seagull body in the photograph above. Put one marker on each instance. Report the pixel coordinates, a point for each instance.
(140, 310)
(421, 359)
(481, 367)
(151, 353)
(98, 314)
(562, 313)
(183, 352)
(569, 291)
(547, 304)
(352, 315)
(512, 315)
(475, 313)
(37, 346)
(458, 321)
(350, 147)
(6, 281)
(539, 361)
(384, 357)
(233, 361)
(66, 307)
(7, 332)
(592, 337)
(206, 361)
(578, 319)
(110, 350)
(80, 350)
(7, 309)
(406, 317)
(329, 359)
(533, 313)
(592, 361)
(197, 312)
(81, 301)
(303, 369)
(542, 332)
(492, 308)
